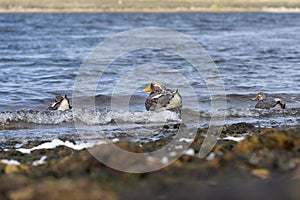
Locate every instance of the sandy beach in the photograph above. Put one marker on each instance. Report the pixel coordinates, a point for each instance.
(31, 6)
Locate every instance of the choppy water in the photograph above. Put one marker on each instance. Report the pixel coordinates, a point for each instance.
(42, 53)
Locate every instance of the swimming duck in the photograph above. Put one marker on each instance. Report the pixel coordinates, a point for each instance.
(268, 103)
(61, 103)
(161, 98)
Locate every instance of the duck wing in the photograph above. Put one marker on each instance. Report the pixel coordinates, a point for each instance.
(157, 101)
(266, 104)
(163, 100)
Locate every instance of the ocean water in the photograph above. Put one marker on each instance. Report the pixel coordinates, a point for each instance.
(41, 55)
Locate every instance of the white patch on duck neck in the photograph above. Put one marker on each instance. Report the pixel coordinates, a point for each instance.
(52, 106)
(156, 96)
(64, 105)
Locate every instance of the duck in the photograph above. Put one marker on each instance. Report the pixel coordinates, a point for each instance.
(162, 98)
(268, 103)
(60, 103)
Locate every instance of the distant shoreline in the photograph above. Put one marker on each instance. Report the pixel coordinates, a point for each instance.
(146, 10)
(147, 6)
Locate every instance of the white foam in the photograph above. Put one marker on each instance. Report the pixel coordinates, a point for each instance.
(56, 142)
(91, 117)
(115, 140)
(189, 152)
(165, 160)
(150, 159)
(236, 139)
(188, 140)
(172, 154)
(87, 116)
(179, 147)
(211, 156)
(10, 162)
(145, 116)
(40, 161)
(38, 117)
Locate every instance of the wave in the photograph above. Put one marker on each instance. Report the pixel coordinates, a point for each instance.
(86, 116)
(246, 112)
(35, 116)
(27, 118)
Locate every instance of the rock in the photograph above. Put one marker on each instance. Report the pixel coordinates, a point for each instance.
(261, 173)
(62, 189)
(238, 128)
(15, 168)
(248, 145)
(12, 182)
(266, 141)
(129, 146)
(72, 174)
(296, 174)
(2, 167)
(186, 158)
(11, 169)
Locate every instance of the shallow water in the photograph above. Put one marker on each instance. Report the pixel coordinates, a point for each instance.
(42, 53)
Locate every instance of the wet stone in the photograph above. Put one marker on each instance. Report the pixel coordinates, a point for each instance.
(265, 155)
(238, 129)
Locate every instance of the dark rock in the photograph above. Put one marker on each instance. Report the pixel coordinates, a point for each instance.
(265, 164)
(239, 128)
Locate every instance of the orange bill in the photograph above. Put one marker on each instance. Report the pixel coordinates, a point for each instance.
(148, 89)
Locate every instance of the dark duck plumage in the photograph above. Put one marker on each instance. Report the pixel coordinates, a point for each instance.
(61, 103)
(161, 98)
(268, 103)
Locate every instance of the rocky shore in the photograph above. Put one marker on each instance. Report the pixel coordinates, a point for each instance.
(263, 165)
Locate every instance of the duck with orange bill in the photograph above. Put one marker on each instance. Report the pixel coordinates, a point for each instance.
(162, 98)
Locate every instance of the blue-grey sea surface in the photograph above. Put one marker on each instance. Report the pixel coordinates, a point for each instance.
(41, 55)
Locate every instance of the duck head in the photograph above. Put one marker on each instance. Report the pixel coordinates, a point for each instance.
(260, 96)
(154, 87)
(59, 99)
